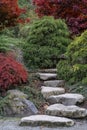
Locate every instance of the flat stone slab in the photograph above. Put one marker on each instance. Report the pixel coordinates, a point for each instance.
(46, 120)
(46, 76)
(55, 83)
(48, 70)
(66, 99)
(49, 91)
(66, 111)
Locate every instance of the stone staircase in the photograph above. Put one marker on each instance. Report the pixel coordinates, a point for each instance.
(63, 106)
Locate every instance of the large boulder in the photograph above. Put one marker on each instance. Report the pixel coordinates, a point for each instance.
(61, 110)
(18, 105)
(16, 94)
(38, 120)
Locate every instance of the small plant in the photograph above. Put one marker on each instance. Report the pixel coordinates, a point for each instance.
(33, 90)
(12, 73)
(47, 40)
(3, 102)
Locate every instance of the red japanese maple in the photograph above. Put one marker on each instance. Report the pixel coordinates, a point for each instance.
(73, 11)
(10, 12)
(12, 73)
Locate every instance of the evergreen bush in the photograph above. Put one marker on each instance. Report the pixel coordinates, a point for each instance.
(77, 61)
(47, 40)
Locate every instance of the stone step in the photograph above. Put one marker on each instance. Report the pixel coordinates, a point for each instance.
(49, 91)
(66, 99)
(48, 70)
(46, 120)
(46, 76)
(55, 83)
(61, 110)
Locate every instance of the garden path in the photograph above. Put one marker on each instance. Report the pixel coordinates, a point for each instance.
(54, 95)
(61, 104)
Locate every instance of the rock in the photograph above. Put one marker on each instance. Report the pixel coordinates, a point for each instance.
(38, 120)
(48, 71)
(16, 93)
(49, 91)
(46, 76)
(55, 83)
(66, 111)
(18, 105)
(66, 99)
(18, 54)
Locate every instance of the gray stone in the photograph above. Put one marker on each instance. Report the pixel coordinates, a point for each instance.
(16, 93)
(30, 107)
(18, 53)
(46, 76)
(66, 99)
(49, 91)
(66, 111)
(18, 105)
(48, 70)
(45, 120)
(55, 83)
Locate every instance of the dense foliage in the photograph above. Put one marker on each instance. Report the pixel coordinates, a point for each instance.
(24, 31)
(75, 68)
(12, 73)
(10, 13)
(8, 43)
(73, 11)
(47, 40)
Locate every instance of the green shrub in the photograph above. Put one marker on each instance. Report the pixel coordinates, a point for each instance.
(74, 69)
(7, 43)
(77, 50)
(47, 40)
(50, 32)
(64, 70)
(10, 31)
(43, 57)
